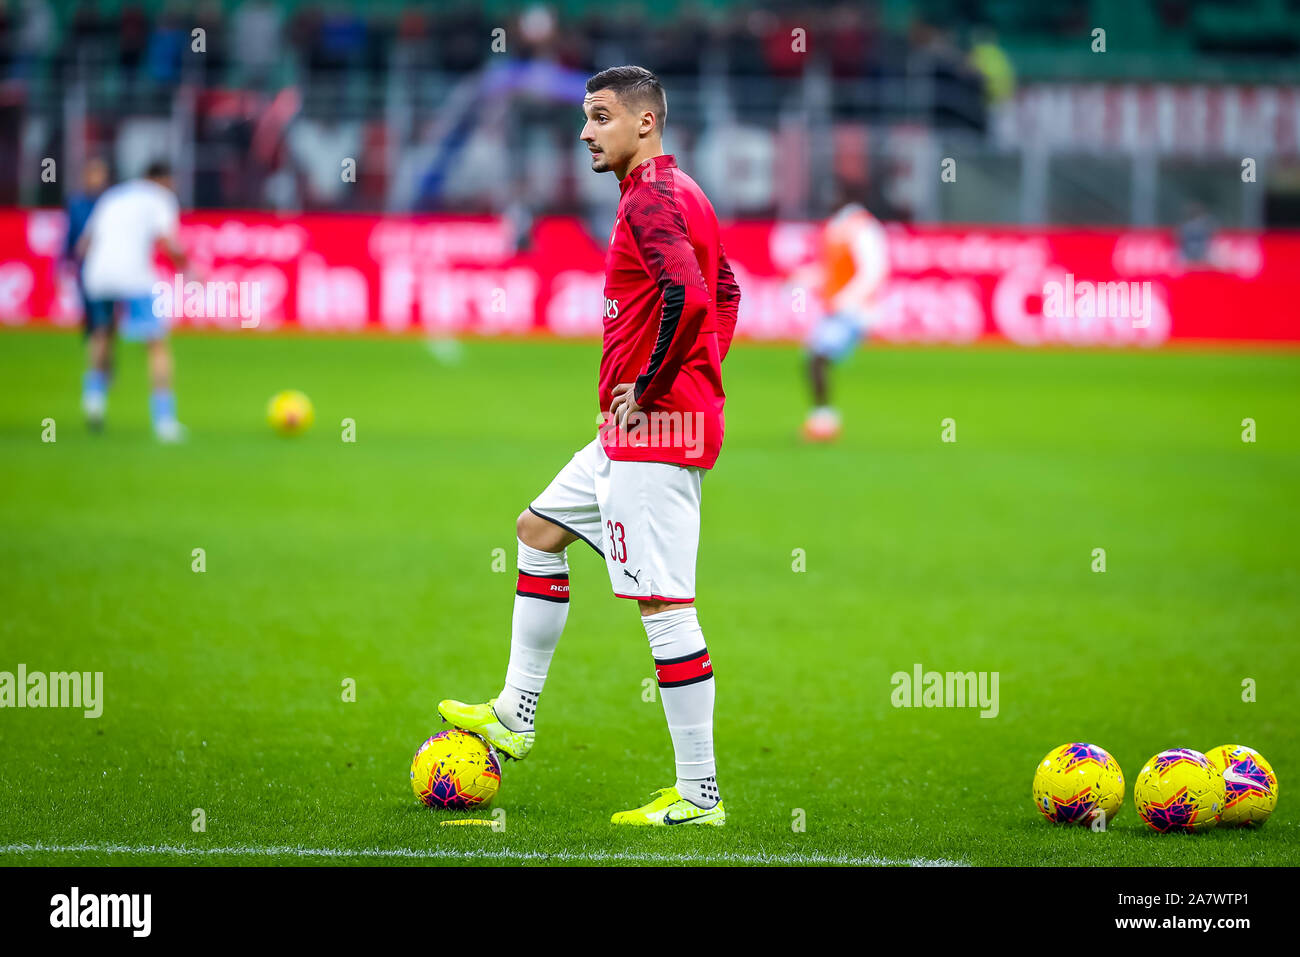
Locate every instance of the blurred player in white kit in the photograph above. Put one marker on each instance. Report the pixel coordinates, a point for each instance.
(127, 224)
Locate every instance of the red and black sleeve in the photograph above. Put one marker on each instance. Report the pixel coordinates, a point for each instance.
(728, 303)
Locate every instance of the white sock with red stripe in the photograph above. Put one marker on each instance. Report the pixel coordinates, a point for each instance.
(541, 608)
(685, 676)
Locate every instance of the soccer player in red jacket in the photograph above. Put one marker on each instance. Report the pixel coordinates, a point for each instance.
(633, 493)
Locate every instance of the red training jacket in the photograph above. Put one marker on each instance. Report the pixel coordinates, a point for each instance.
(670, 314)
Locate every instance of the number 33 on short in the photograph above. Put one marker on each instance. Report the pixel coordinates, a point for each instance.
(617, 541)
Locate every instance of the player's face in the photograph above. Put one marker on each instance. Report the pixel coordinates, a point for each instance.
(96, 176)
(610, 132)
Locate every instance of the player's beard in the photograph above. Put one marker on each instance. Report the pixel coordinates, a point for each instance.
(600, 162)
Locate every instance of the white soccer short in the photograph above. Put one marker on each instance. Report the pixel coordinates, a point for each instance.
(643, 517)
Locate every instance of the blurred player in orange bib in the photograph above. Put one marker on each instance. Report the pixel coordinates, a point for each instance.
(854, 266)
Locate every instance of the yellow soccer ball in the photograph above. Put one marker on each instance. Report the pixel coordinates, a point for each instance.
(1250, 786)
(1078, 784)
(1179, 790)
(290, 412)
(455, 769)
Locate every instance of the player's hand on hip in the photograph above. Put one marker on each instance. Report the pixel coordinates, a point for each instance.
(624, 403)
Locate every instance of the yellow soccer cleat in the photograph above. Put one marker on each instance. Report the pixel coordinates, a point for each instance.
(671, 808)
(481, 719)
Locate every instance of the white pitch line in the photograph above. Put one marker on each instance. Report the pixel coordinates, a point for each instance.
(502, 855)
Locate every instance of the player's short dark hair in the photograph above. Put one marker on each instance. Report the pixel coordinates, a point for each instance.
(634, 85)
(158, 169)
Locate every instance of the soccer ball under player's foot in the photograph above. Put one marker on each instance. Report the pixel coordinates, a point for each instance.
(454, 769)
(670, 808)
(481, 719)
(822, 425)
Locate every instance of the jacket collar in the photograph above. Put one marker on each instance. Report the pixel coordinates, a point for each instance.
(644, 170)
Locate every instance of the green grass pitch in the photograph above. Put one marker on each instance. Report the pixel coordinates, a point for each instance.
(374, 561)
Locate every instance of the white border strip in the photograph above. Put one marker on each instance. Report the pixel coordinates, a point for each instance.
(555, 857)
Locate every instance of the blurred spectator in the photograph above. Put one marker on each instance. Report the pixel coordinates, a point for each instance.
(210, 65)
(518, 217)
(784, 51)
(463, 37)
(535, 33)
(958, 89)
(33, 37)
(167, 43)
(674, 46)
(992, 63)
(7, 39)
(412, 49)
(849, 42)
(340, 42)
(381, 34)
(91, 34)
(303, 27)
(1195, 234)
(1174, 14)
(132, 39)
(255, 33)
(608, 38)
